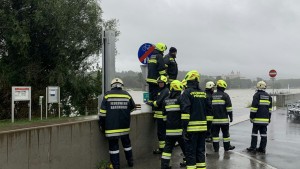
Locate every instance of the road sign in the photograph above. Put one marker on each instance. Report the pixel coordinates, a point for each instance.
(144, 52)
(272, 73)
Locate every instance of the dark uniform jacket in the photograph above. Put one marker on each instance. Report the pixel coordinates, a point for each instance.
(158, 103)
(115, 112)
(222, 107)
(209, 113)
(260, 112)
(171, 66)
(171, 106)
(156, 66)
(194, 106)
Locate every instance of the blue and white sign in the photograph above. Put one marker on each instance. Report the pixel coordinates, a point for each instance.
(145, 51)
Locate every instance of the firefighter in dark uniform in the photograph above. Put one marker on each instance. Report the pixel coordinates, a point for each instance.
(114, 120)
(194, 105)
(171, 64)
(209, 90)
(158, 112)
(260, 116)
(156, 67)
(172, 111)
(222, 108)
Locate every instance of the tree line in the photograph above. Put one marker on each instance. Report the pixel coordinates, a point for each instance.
(51, 43)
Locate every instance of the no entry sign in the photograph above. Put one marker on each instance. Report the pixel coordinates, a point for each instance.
(272, 73)
(144, 52)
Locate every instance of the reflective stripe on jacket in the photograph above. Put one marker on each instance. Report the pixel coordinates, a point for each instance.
(194, 105)
(222, 107)
(261, 107)
(171, 67)
(173, 114)
(115, 110)
(156, 66)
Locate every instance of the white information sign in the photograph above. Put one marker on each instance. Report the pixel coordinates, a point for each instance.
(21, 93)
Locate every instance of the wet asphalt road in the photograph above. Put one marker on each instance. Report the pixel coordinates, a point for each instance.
(283, 148)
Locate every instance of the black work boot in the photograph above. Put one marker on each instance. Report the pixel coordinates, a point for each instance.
(261, 150)
(157, 151)
(251, 150)
(183, 163)
(130, 163)
(230, 148)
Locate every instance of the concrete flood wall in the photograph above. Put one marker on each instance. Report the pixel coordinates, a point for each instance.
(283, 99)
(76, 145)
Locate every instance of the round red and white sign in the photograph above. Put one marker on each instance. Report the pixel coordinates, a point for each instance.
(272, 73)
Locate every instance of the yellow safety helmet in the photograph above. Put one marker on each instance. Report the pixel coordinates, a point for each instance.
(184, 83)
(176, 85)
(222, 83)
(261, 85)
(162, 79)
(161, 47)
(192, 75)
(209, 85)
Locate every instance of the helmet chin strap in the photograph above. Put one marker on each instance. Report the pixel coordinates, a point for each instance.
(116, 85)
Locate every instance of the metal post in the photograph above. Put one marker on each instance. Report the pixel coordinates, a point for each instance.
(29, 105)
(59, 102)
(12, 111)
(46, 102)
(273, 93)
(108, 59)
(41, 112)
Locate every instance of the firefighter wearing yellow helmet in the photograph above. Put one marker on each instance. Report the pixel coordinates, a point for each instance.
(222, 108)
(156, 68)
(172, 112)
(158, 112)
(194, 106)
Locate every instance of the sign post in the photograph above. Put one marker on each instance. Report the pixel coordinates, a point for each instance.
(20, 93)
(272, 74)
(52, 96)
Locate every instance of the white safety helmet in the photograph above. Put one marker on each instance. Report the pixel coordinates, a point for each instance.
(209, 85)
(116, 82)
(261, 85)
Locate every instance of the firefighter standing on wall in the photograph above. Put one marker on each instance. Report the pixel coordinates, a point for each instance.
(156, 67)
(158, 112)
(173, 124)
(209, 90)
(114, 120)
(260, 116)
(222, 108)
(171, 64)
(193, 107)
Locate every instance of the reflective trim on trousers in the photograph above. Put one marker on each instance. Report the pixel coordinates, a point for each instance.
(226, 139)
(114, 152)
(116, 134)
(128, 149)
(166, 156)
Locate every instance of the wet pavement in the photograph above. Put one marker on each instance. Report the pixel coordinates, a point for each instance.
(283, 148)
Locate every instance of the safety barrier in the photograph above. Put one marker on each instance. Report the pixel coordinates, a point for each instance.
(283, 99)
(76, 145)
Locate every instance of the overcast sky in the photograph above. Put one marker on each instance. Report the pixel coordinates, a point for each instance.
(212, 36)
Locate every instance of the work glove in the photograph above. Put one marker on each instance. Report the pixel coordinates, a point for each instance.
(185, 135)
(231, 119)
(150, 104)
(251, 120)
